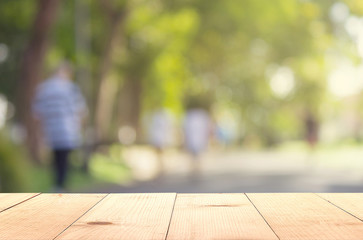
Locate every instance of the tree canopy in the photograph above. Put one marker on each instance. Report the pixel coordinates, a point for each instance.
(270, 63)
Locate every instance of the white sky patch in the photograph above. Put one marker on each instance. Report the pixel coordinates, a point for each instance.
(360, 46)
(346, 80)
(339, 12)
(354, 27)
(282, 82)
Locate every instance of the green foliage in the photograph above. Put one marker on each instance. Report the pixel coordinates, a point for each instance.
(15, 24)
(183, 48)
(14, 167)
(63, 36)
(158, 42)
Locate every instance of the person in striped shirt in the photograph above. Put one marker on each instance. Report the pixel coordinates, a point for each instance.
(60, 108)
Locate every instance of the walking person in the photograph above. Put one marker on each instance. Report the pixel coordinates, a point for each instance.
(60, 108)
(311, 130)
(160, 134)
(197, 132)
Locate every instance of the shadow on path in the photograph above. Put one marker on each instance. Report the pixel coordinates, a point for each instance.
(234, 183)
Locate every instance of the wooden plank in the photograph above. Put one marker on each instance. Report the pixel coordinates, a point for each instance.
(217, 216)
(350, 202)
(306, 216)
(8, 200)
(44, 216)
(125, 216)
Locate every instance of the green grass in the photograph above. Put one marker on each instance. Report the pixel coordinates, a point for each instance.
(42, 179)
(108, 171)
(103, 168)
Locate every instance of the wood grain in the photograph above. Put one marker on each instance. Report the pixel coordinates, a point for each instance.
(44, 216)
(350, 202)
(217, 216)
(306, 216)
(125, 216)
(8, 200)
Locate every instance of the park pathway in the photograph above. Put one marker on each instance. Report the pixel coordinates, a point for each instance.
(254, 171)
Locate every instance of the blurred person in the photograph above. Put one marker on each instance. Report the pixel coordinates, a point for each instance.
(223, 134)
(197, 131)
(160, 134)
(60, 108)
(311, 130)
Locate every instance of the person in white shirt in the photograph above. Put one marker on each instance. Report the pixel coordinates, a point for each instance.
(160, 134)
(197, 131)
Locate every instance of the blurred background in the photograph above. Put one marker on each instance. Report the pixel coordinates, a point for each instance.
(270, 90)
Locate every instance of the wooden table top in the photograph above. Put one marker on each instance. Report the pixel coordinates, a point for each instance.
(181, 216)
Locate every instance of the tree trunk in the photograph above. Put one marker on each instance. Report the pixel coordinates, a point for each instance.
(104, 97)
(83, 46)
(30, 71)
(130, 105)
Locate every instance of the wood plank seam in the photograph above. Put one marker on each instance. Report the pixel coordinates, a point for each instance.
(262, 216)
(81, 216)
(125, 216)
(217, 216)
(171, 216)
(306, 216)
(20, 202)
(339, 207)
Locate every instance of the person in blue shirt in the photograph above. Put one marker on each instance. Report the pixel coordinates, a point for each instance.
(60, 108)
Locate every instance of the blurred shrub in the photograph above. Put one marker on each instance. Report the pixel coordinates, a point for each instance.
(110, 166)
(13, 166)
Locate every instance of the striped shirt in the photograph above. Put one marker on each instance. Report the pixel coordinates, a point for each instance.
(59, 105)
